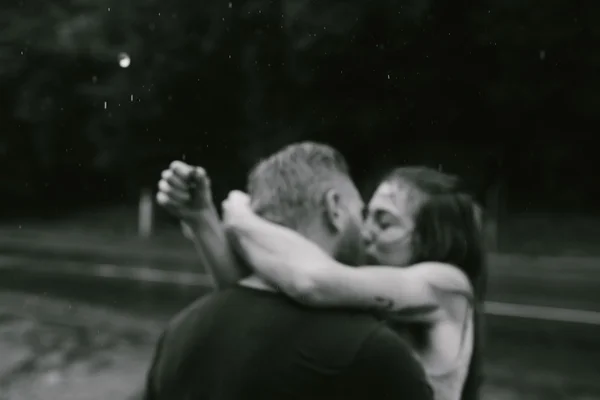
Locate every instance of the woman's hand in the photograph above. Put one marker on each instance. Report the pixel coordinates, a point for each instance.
(236, 208)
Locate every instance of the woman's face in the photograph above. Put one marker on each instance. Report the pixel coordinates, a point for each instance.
(389, 225)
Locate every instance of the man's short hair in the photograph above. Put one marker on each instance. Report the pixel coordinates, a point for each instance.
(288, 187)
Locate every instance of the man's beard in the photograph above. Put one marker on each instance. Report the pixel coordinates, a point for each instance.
(352, 257)
(351, 249)
(370, 259)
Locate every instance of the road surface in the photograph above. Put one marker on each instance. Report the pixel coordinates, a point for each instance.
(526, 357)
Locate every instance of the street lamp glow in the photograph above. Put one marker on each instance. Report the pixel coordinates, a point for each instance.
(124, 60)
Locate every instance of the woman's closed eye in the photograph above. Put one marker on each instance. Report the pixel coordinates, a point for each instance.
(383, 225)
(384, 220)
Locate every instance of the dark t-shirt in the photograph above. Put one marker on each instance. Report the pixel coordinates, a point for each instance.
(244, 343)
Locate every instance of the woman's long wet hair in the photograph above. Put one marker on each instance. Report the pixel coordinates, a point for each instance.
(448, 229)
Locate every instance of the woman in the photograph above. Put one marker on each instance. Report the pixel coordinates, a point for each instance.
(427, 231)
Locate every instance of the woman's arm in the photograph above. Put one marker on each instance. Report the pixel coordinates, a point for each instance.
(305, 272)
(214, 250)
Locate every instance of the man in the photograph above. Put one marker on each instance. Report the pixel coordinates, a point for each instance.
(251, 342)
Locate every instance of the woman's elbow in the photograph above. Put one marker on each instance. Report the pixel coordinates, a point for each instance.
(305, 289)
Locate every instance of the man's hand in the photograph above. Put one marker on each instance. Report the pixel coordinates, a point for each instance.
(185, 191)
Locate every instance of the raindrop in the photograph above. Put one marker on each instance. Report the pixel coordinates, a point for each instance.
(105, 105)
(230, 5)
(542, 55)
(124, 60)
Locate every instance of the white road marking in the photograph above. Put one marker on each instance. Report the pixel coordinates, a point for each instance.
(542, 313)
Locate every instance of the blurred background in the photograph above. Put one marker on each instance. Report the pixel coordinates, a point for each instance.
(97, 97)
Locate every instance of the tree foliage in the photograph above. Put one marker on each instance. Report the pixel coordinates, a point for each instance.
(225, 82)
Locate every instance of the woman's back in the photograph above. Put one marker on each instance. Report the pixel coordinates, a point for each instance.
(446, 364)
(445, 349)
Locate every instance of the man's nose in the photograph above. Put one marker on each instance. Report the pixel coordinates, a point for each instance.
(367, 234)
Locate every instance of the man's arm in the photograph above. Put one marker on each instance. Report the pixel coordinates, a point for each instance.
(185, 191)
(385, 368)
(214, 250)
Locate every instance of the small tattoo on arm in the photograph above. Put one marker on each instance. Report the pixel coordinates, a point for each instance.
(388, 305)
(416, 310)
(384, 304)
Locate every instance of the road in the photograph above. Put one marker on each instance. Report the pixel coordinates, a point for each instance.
(566, 282)
(528, 358)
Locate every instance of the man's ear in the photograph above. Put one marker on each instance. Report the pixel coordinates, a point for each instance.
(334, 213)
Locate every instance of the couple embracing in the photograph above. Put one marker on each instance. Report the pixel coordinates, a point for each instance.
(321, 297)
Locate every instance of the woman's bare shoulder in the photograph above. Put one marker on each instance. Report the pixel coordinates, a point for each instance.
(444, 277)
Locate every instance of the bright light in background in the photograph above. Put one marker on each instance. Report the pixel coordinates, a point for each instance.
(124, 60)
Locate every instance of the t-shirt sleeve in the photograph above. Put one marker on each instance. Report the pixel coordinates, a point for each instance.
(385, 368)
